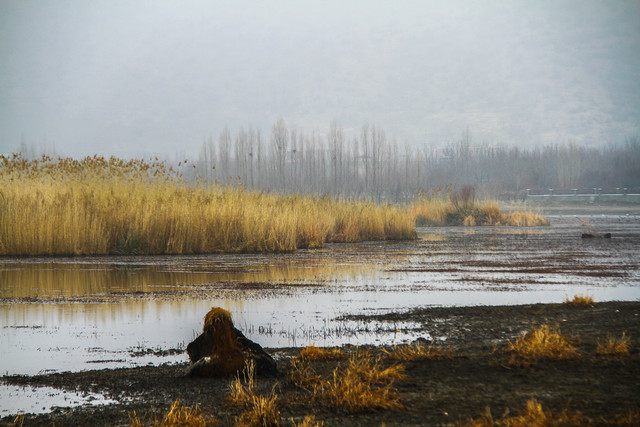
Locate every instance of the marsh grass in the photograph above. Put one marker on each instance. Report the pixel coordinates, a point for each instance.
(179, 415)
(410, 353)
(614, 346)
(363, 384)
(533, 415)
(312, 352)
(438, 211)
(543, 342)
(580, 300)
(111, 206)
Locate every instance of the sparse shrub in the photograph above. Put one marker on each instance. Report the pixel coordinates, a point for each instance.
(533, 415)
(409, 353)
(614, 346)
(318, 353)
(580, 300)
(463, 199)
(542, 342)
(179, 415)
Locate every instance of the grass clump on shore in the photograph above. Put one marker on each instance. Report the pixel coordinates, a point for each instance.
(312, 352)
(542, 342)
(101, 206)
(260, 411)
(362, 385)
(533, 415)
(462, 208)
(580, 300)
(179, 415)
(614, 346)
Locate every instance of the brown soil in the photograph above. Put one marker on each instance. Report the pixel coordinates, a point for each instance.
(437, 392)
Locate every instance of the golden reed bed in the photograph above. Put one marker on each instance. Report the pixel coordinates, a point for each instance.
(99, 206)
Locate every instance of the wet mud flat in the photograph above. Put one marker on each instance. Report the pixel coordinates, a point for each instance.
(436, 392)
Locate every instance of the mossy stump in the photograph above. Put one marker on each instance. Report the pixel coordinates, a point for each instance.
(222, 350)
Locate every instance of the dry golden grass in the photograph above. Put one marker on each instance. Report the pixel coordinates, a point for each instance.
(312, 352)
(542, 342)
(362, 385)
(179, 415)
(262, 411)
(110, 206)
(242, 393)
(580, 300)
(308, 421)
(614, 346)
(442, 211)
(410, 353)
(469, 221)
(533, 415)
(524, 219)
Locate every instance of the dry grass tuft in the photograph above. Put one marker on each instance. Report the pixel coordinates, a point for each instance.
(242, 394)
(614, 346)
(308, 421)
(524, 219)
(533, 415)
(580, 300)
(542, 342)
(262, 411)
(318, 353)
(362, 385)
(179, 415)
(410, 353)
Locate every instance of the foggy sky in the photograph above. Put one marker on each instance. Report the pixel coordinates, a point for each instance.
(131, 78)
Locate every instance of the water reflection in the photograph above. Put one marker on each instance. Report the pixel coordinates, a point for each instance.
(58, 279)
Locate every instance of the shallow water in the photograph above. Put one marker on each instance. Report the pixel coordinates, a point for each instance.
(40, 400)
(69, 314)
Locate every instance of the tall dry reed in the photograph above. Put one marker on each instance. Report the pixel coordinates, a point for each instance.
(110, 206)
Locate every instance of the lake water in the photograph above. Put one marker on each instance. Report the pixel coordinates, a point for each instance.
(68, 314)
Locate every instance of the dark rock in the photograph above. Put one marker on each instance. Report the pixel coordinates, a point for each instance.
(593, 236)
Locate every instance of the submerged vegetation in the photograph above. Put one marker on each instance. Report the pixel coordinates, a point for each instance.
(98, 206)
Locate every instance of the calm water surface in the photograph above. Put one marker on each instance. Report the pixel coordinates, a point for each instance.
(67, 314)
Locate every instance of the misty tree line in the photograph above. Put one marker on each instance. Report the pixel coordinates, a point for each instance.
(371, 165)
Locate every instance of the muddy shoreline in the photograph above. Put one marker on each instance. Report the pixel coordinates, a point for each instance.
(437, 392)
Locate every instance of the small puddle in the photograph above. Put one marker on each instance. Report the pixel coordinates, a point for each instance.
(39, 400)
